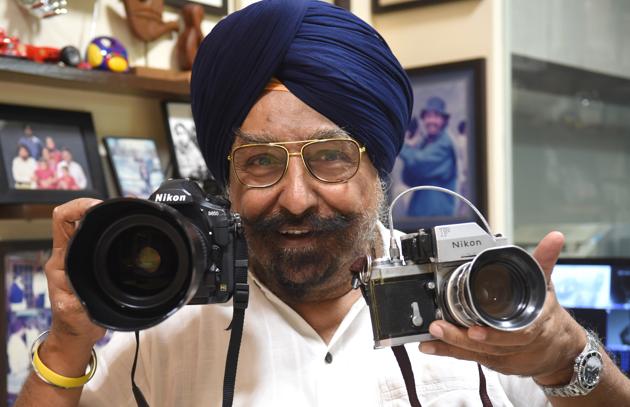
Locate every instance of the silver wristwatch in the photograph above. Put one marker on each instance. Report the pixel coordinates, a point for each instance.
(587, 371)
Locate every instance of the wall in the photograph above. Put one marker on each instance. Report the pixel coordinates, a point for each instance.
(456, 31)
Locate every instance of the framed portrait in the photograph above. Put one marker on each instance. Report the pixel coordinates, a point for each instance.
(182, 139)
(48, 156)
(135, 164)
(27, 310)
(215, 7)
(384, 6)
(444, 146)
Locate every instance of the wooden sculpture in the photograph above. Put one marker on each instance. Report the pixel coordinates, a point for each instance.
(189, 39)
(145, 19)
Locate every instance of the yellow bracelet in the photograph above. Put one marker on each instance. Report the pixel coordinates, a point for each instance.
(55, 379)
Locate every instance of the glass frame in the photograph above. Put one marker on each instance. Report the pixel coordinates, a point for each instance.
(307, 143)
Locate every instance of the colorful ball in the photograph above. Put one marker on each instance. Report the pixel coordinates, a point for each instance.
(108, 54)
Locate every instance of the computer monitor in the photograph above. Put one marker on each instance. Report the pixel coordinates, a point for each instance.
(597, 293)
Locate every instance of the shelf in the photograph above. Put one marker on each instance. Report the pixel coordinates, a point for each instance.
(146, 82)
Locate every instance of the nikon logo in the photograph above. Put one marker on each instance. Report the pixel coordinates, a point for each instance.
(170, 198)
(466, 243)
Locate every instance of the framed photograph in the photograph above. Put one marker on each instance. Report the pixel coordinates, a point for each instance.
(135, 165)
(48, 156)
(27, 310)
(182, 137)
(444, 146)
(384, 6)
(215, 7)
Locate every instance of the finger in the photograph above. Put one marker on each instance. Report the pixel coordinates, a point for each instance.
(65, 217)
(458, 337)
(439, 348)
(548, 251)
(495, 337)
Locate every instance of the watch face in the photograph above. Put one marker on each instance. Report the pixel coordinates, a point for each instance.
(591, 368)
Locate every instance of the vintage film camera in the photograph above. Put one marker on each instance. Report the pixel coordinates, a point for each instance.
(134, 262)
(459, 273)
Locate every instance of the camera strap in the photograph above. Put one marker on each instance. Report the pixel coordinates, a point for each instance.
(240, 300)
(137, 393)
(405, 367)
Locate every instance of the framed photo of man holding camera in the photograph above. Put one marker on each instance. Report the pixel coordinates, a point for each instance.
(444, 146)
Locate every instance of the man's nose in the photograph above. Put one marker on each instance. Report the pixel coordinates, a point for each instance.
(297, 194)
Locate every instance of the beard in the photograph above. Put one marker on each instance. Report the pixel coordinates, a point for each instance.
(317, 271)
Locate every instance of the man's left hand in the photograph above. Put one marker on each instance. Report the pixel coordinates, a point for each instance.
(545, 350)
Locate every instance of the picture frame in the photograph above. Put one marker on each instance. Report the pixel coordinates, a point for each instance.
(445, 146)
(48, 156)
(27, 309)
(135, 165)
(386, 6)
(214, 7)
(24, 291)
(186, 158)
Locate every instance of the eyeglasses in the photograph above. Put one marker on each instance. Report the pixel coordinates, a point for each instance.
(328, 160)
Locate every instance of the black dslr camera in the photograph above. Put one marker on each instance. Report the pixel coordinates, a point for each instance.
(134, 262)
(458, 273)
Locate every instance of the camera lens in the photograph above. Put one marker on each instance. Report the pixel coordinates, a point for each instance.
(502, 287)
(133, 263)
(498, 291)
(142, 256)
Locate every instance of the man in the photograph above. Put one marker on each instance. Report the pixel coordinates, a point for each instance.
(432, 161)
(32, 142)
(23, 168)
(308, 187)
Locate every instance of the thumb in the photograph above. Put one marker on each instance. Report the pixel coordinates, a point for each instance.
(548, 251)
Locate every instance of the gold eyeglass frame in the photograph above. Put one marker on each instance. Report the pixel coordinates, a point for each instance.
(307, 143)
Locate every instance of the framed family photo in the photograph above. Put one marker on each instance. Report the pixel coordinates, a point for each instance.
(24, 289)
(444, 146)
(215, 7)
(135, 164)
(48, 156)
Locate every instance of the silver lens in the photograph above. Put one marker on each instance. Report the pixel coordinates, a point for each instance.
(502, 287)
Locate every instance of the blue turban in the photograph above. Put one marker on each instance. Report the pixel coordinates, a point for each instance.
(327, 57)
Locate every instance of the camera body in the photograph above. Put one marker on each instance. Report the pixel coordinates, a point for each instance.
(217, 226)
(456, 272)
(134, 262)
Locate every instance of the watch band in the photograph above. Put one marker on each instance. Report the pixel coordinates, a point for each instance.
(586, 371)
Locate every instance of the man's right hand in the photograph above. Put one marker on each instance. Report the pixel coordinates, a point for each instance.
(71, 331)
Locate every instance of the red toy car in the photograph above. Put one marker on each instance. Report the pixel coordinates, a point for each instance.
(12, 47)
